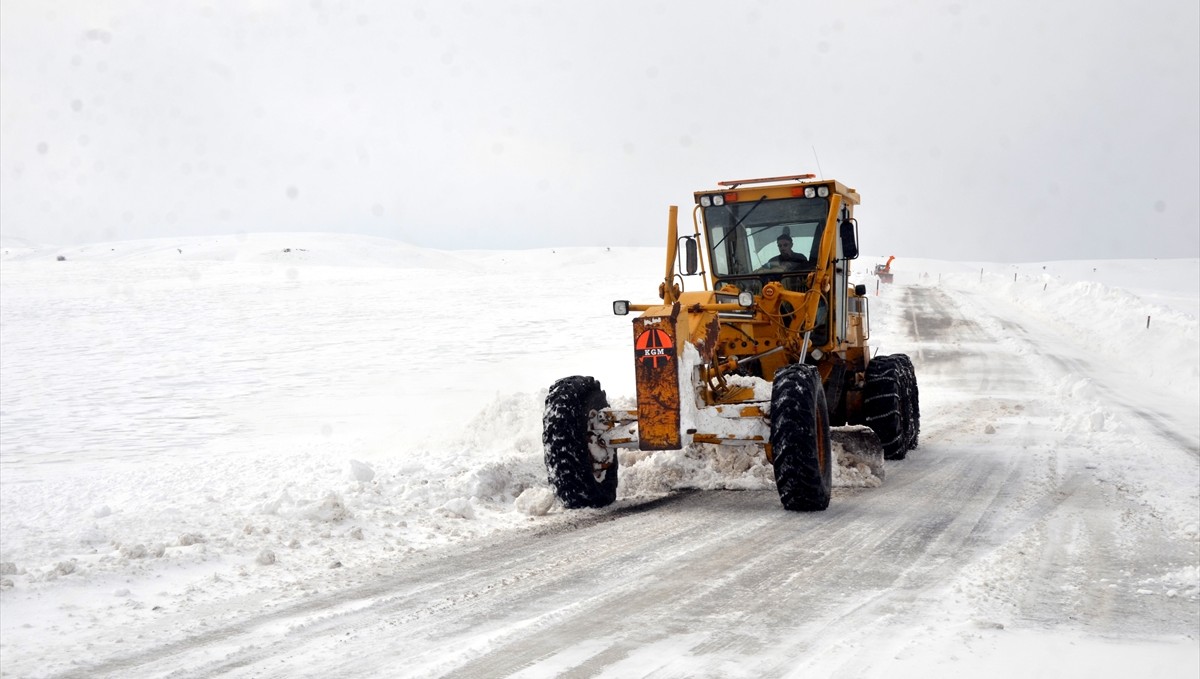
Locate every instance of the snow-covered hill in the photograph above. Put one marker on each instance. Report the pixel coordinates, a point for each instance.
(272, 248)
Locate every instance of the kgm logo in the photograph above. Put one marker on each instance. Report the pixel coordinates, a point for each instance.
(654, 347)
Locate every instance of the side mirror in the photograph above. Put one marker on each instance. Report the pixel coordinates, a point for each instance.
(860, 290)
(848, 231)
(691, 256)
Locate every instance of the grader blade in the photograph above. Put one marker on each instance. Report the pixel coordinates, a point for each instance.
(861, 446)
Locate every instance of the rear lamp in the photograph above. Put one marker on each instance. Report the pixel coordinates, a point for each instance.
(705, 201)
(621, 307)
(731, 197)
(745, 299)
(718, 200)
(823, 191)
(810, 192)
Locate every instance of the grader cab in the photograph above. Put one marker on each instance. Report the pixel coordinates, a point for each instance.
(771, 350)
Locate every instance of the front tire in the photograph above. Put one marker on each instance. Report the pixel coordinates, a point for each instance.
(801, 448)
(580, 479)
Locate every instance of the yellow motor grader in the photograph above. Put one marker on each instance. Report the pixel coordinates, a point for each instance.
(771, 350)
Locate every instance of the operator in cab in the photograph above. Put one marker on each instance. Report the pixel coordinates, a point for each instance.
(786, 260)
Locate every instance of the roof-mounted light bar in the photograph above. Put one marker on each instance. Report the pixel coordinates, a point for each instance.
(733, 184)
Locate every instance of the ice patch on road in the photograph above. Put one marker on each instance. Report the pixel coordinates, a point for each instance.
(1182, 582)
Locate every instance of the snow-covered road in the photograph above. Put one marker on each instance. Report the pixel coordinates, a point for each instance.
(1046, 526)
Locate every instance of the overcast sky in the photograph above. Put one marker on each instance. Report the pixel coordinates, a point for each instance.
(1018, 131)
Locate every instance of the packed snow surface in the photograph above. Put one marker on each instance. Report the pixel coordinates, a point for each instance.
(191, 422)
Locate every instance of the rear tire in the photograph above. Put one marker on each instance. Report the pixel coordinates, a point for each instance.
(568, 440)
(884, 407)
(911, 400)
(801, 448)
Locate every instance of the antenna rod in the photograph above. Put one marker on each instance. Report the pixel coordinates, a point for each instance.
(819, 170)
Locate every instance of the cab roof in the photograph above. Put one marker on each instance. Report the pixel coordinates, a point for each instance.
(788, 186)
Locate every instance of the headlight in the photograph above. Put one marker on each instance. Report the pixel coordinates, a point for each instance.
(621, 307)
(823, 191)
(718, 200)
(745, 299)
(705, 201)
(810, 192)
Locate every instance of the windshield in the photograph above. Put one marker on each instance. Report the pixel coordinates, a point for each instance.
(751, 237)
